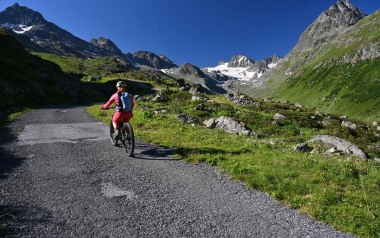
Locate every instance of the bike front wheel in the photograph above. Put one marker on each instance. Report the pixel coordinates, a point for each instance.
(128, 139)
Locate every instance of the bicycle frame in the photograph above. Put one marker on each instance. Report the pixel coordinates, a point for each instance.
(125, 135)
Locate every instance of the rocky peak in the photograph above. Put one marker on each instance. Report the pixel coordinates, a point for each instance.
(274, 59)
(241, 61)
(189, 69)
(152, 60)
(17, 14)
(329, 23)
(221, 62)
(163, 57)
(262, 66)
(107, 44)
(344, 12)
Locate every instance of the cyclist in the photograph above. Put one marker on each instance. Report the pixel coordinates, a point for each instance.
(119, 114)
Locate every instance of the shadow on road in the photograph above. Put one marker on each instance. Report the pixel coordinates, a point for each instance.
(18, 218)
(154, 158)
(8, 162)
(155, 154)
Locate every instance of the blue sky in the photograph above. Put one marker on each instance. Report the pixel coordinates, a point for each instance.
(200, 32)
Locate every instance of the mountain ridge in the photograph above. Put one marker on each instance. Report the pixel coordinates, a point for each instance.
(341, 15)
(47, 35)
(150, 59)
(353, 49)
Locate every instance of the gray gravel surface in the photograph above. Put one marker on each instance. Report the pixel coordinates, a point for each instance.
(71, 182)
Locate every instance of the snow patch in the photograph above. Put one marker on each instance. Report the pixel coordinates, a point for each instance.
(240, 73)
(23, 29)
(272, 65)
(17, 28)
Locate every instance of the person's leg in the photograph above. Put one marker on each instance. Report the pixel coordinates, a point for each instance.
(115, 120)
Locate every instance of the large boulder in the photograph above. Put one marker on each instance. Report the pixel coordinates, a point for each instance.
(233, 126)
(338, 144)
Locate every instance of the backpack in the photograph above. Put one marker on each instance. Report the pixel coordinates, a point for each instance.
(125, 102)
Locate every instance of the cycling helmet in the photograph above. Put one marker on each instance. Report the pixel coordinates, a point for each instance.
(121, 84)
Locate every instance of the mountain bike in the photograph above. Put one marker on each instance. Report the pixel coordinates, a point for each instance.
(125, 136)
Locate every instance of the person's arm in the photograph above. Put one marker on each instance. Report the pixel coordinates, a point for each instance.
(110, 101)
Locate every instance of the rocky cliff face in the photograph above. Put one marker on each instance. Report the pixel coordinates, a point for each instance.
(260, 66)
(21, 15)
(240, 61)
(107, 44)
(328, 25)
(189, 69)
(333, 67)
(146, 58)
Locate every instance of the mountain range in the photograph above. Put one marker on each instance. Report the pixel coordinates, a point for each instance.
(342, 37)
(39, 35)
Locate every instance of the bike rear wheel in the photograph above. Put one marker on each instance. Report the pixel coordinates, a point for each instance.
(128, 138)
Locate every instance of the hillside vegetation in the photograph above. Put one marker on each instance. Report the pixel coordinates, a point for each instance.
(89, 69)
(334, 78)
(340, 88)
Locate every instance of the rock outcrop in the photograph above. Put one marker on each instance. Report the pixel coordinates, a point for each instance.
(146, 58)
(338, 144)
(230, 125)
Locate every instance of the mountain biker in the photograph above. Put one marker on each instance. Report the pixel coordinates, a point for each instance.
(119, 114)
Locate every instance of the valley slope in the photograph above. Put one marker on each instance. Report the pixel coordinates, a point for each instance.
(335, 72)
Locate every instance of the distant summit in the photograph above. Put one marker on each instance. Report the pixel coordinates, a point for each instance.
(240, 61)
(241, 67)
(149, 59)
(333, 67)
(332, 22)
(107, 44)
(19, 15)
(335, 19)
(189, 69)
(51, 38)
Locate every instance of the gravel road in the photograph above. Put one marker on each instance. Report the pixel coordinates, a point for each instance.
(61, 177)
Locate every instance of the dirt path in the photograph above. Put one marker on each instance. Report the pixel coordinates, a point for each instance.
(61, 177)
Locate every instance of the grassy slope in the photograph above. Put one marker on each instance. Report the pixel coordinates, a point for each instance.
(97, 67)
(346, 89)
(329, 84)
